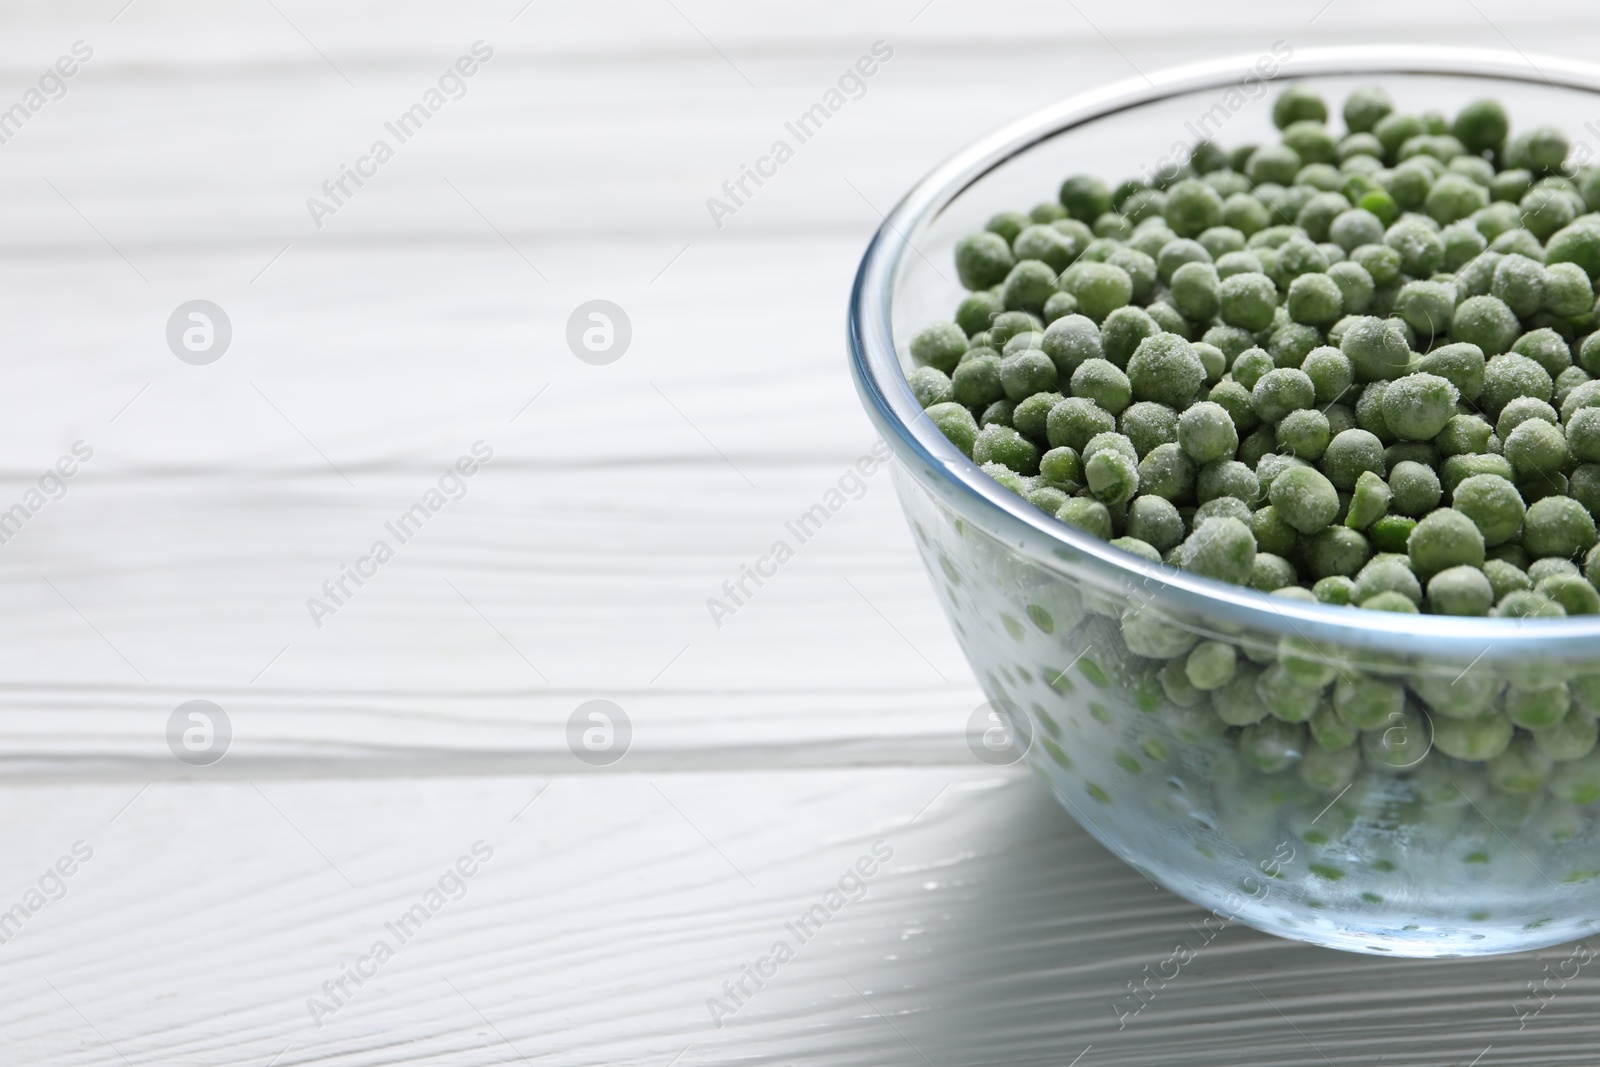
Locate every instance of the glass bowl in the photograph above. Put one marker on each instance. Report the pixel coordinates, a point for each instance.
(1399, 843)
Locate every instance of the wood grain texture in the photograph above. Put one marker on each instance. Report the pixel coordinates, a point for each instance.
(770, 753)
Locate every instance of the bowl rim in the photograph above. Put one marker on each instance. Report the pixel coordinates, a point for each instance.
(881, 383)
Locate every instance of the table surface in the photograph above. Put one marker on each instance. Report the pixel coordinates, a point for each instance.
(232, 914)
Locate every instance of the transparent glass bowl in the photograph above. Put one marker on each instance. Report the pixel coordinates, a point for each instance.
(1389, 846)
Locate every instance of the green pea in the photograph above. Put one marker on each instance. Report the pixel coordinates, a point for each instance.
(1481, 125)
(1572, 738)
(1087, 515)
(1443, 539)
(1223, 549)
(1475, 740)
(1195, 291)
(1166, 369)
(1123, 331)
(1557, 526)
(1002, 444)
(1100, 288)
(1485, 321)
(1573, 592)
(1505, 578)
(1509, 376)
(1076, 420)
(1167, 473)
(1521, 768)
(983, 260)
(955, 421)
(1272, 746)
(1460, 591)
(1085, 197)
(1070, 340)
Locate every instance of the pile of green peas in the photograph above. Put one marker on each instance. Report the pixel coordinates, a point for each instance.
(1355, 369)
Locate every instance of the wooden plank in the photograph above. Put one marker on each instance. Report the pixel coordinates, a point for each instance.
(614, 908)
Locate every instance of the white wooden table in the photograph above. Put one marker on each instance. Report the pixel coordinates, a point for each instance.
(428, 714)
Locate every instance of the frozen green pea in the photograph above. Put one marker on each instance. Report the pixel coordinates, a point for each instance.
(1271, 572)
(1049, 499)
(1536, 448)
(1578, 243)
(1085, 197)
(1518, 243)
(1223, 549)
(1509, 376)
(1102, 382)
(1534, 709)
(1305, 498)
(1280, 391)
(1178, 253)
(930, 386)
(1167, 473)
(1583, 435)
(1287, 697)
(983, 260)
(1349, 454)
(1493, 504)
(1427, 307)
(1222, 507)
(1245, 213)
(1273, 164)
(1227, 477)
(1211, 665)
(1365, 703)
(1356, 287)
(1584, 486)
(1521, 768)
(1304, 434)
(1505, 578)
(1386, 575)
(1390, 533)
(1166, 369)
(1212, 359)
(1025, 373)
(1443, 539)
(1586, 395)
(1247, 300)
(977, 383)
(1401, 743)
(1069, 341)
(1485, 321)
(1382, 263)
(1417, 406)
(1206, 432)
(1061, 468)
(997, 414)
(1454, 197)
(1460, 591)
(1557, 526)
(940, 346)
(1330, 373)
(1076, 420)
(1088, 515)
(1375, 350)
(1028, 285)
(1573, 592)
(1544, 211)
(1030, 415)
(1519, 282)
(1147, 425)
(1369, 501)
(1462, 244)
(1195, 291)
(1192, 207)
(1169, 318)
(1007, 477)
(1391, 601)
(1528, 605)
(1141, 270)
(1174, 683)
(1123, 331)
(1291, 342)
(1272, 745)
(1011, 324)
(1235, 701)
(1481, 125)
(1567, 382)
(1461, 364)
(1545, 347)
(957, 424)
(1414, 487)
(1464, 435)
(1567, 290)
(1058, 306)
(1100, 288)
(976, 312)
(1002, 444)
(1475, 740)
(1314, 299)
(1334, 589)
(1421, 250)
(1550, 567)
(1572, 738)
(1272, 534)
(1155, 521)
(1456, 469)
(1221, 240)
(1047, 245)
